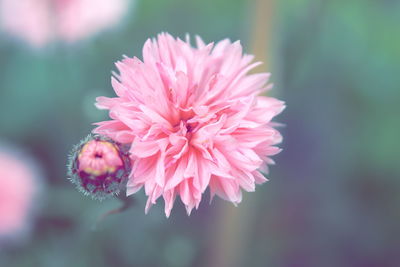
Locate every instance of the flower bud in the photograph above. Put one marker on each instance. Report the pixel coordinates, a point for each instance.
(99, 167)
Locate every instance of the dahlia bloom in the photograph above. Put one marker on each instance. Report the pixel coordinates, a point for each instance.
(193, 119)
(19, 188)
(41, 21)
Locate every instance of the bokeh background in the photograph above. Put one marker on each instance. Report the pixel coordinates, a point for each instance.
(334, 195)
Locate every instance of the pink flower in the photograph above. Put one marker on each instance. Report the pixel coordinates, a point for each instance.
(98, 167)
(19, 187)
(193, 119)
(30, 20)
(41, 21)
(80, 18)
(98, 157)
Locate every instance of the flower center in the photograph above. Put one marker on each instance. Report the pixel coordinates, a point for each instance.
(99, 157)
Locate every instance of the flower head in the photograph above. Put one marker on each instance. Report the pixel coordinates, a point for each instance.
(193, 119)
(29, 20)
(41, 21)
(19, 189)
(80, 18)
(98, 166)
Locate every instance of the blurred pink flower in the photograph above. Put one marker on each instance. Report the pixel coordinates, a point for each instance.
(80, 18)
(41, 21)
(194, 120)
(30, 20)
(19, 187)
